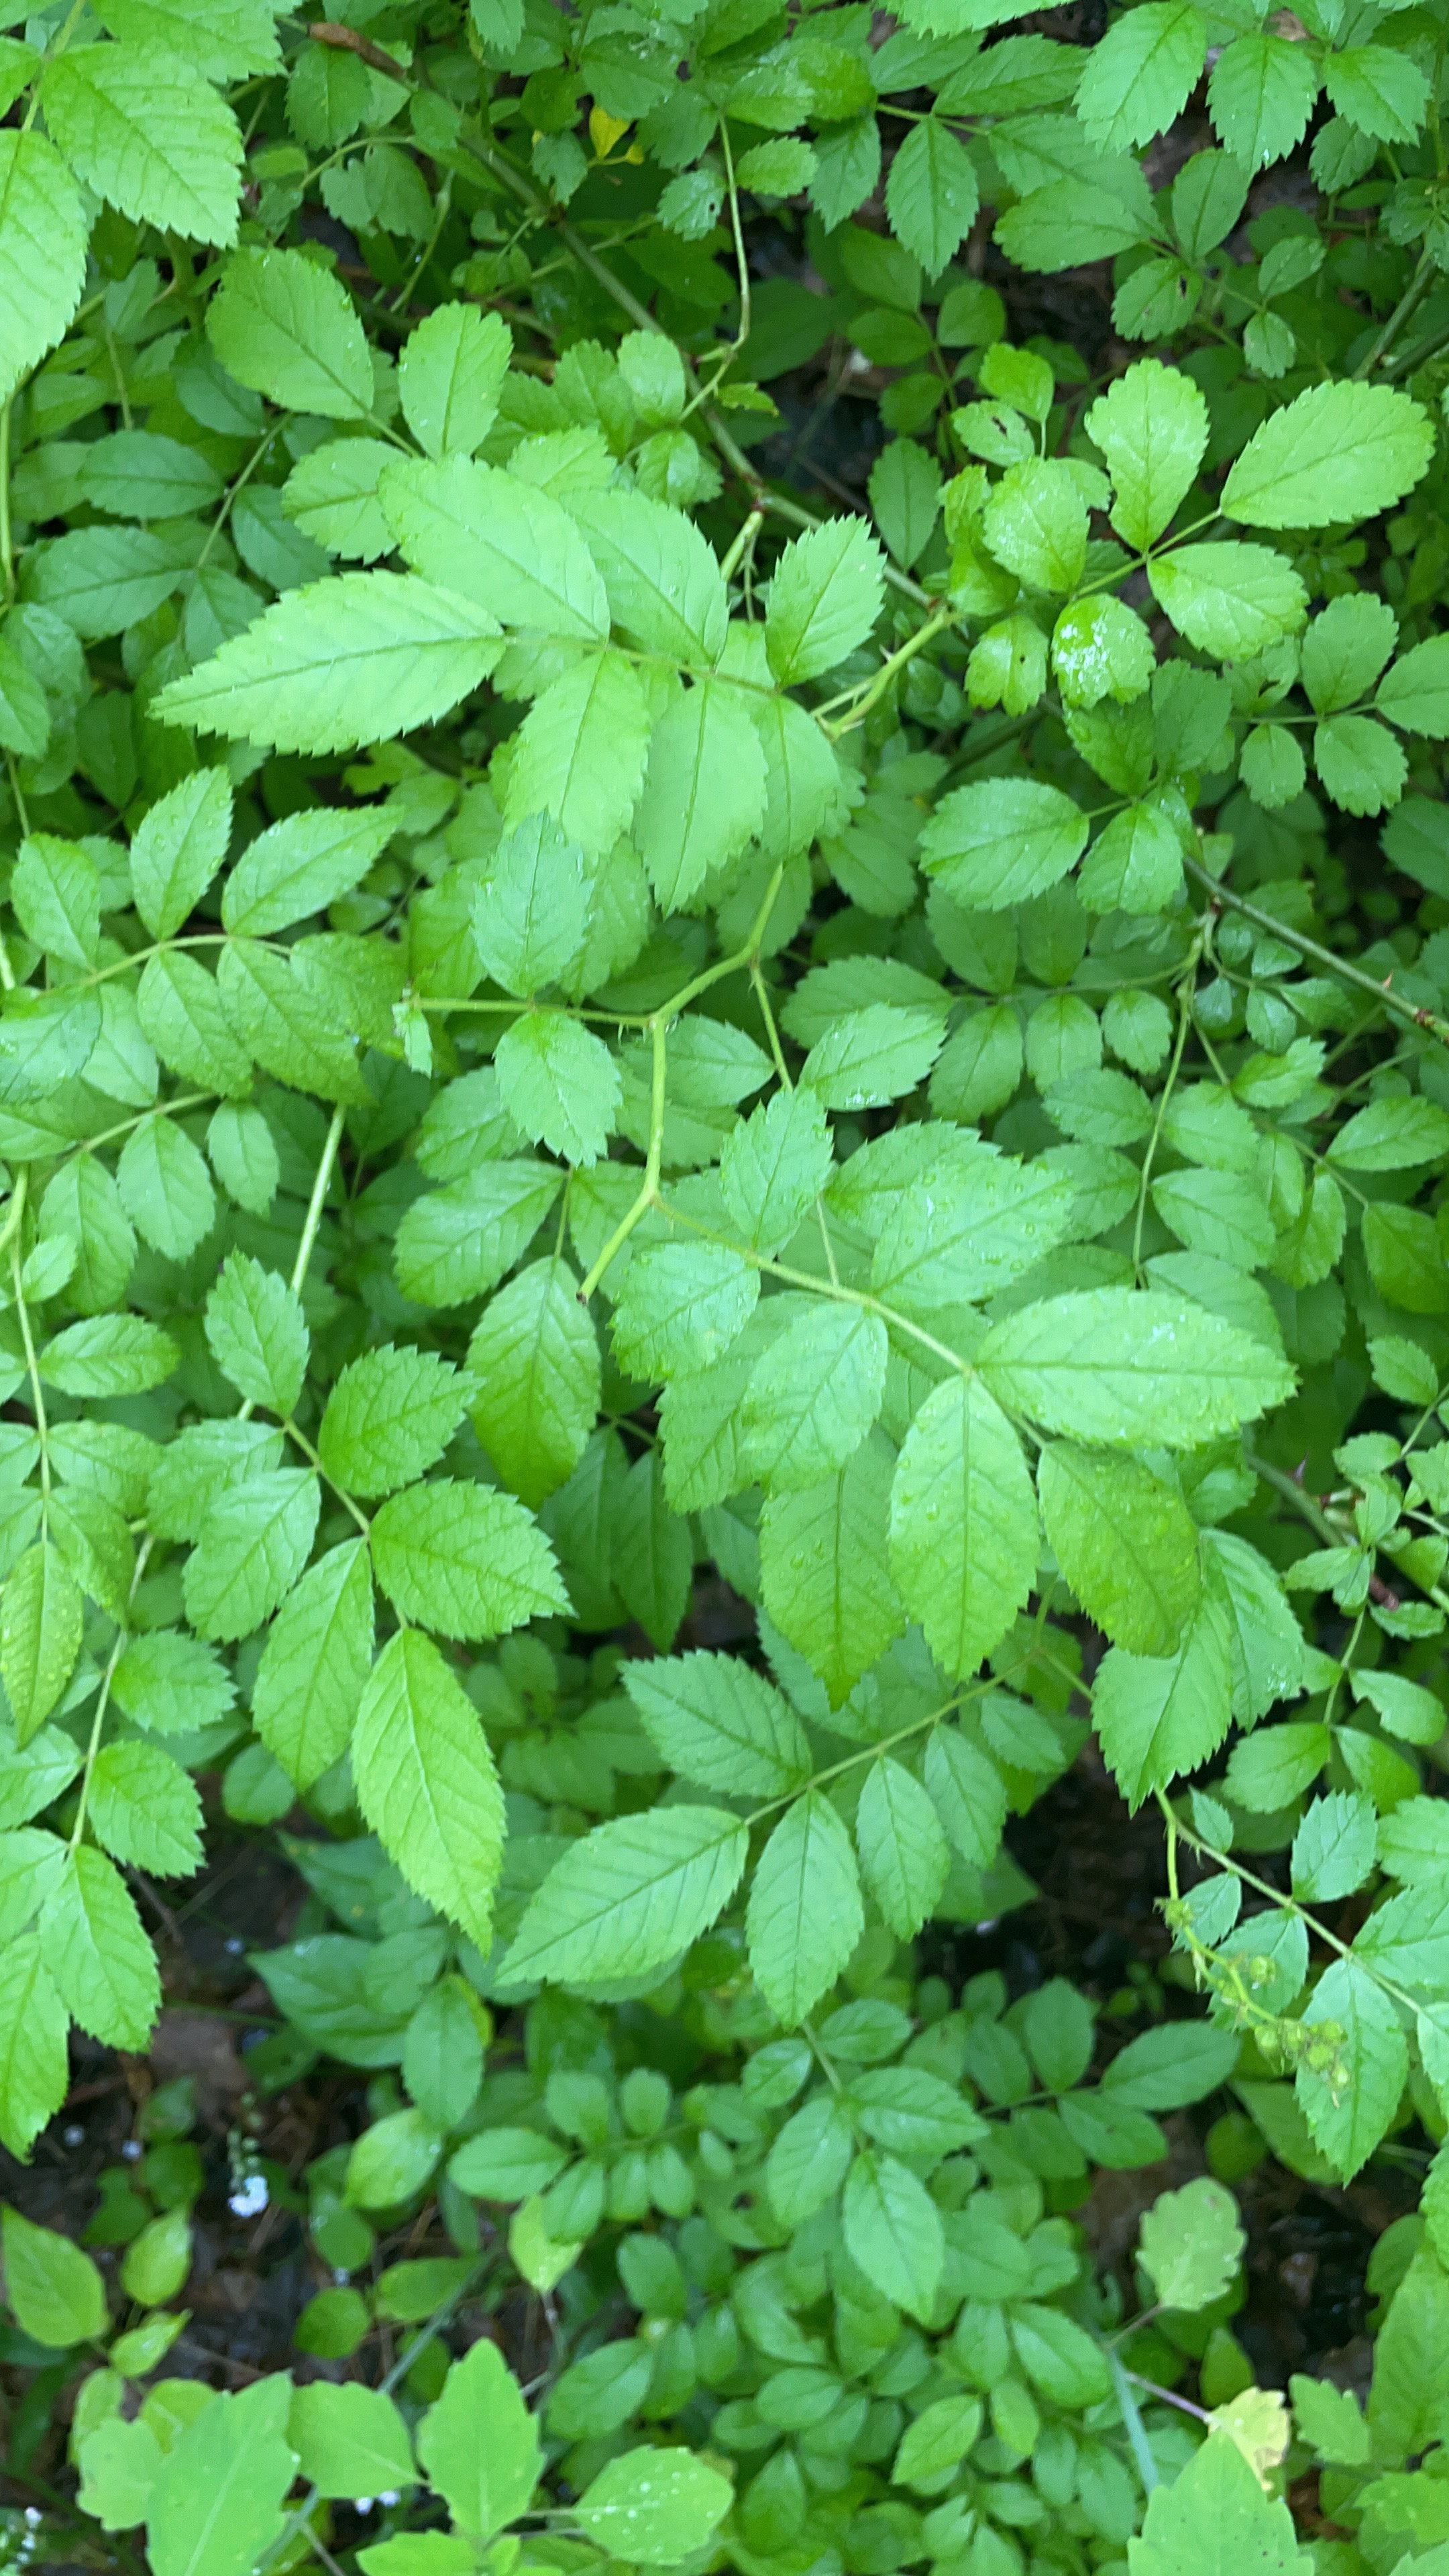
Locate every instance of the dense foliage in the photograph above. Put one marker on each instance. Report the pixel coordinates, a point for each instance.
(811, 1121)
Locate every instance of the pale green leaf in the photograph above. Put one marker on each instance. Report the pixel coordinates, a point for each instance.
(426, 1782)
(149, 134)
(337, 662)
(464, 1559)
(963, 1530)
(535, 1357)
(631, 1897)
(314, 1665)
(805, 1913)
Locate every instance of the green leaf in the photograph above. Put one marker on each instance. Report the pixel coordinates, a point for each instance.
(1125, 1542)
(967, 1229)
(507, 2164)
(456, 1243)
(905, 494)
(1215, 2520)
(680, 1306)
(580, 751)
(1260, 97)
(530, 914)
(287, 328)
(170, 1684)
(1035, 523)
(893, 2231)
(498, 540)
(932, 194)
(1002, 842)
(1350, 2103)
(825, 597)
(41, 1613)
(450, 375)
(963, 1529)
(1192, 2244)
(1330, 2420)
(663, 582)
(1231, 600)
(1159, 1716)
(720, 1724)
(823, 1569)
(149, 134)
(1140, 75)
(165, 1188)
(774, 1167)
(805, 1913)
(559, 1084)
(1415, 693)
(904, 1858)
(535, 1355)
(630, 1897)
(224, 40)
(1374, 442)
(1152, 423)
(426, 1782)
(98, 1953)
(56, 893)
(480, 2445)
(704, 791)
(814, 1395)
(968, 1792)
(183, 1016)
(873, 1056)
(314, 1665)
(331, 498)
(1071, 220)
(1379, 91)
(389, 1418)
(1360, 764)
(250, 1549)
(338, 662)
(350, 2441)
(1392, 1135)
(301, 866)
(108, 1355)
(42, 252)
(1125, 1369)
(217, 2505)
(257, 1333)
(53, 2290)
(145, 1810)
(119, 2464)
(443, 2056)
(34, 2065)
(177, 848)
(464, 1560)
(654, 2507)
(1334, 1849)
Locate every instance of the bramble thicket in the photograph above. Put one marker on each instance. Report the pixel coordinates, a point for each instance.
(724, 1096)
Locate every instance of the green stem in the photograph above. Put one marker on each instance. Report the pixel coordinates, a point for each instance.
(1409, 302)
(1415, 358)
(7, 551)
(314, 1460)
(659, 1025)
(877, 687)
(313, 1218)
(1184, 1023)
(118, 1648)
(1383, 994)
(648, 1187)
(14, 1225)
(1288, 1905)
